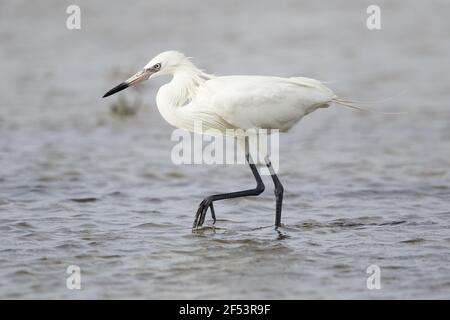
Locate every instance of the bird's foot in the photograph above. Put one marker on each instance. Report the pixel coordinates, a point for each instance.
(201, 213)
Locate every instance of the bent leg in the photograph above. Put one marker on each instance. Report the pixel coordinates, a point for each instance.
(208, 201)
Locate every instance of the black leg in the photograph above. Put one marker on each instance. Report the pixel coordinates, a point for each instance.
(278, 192)
(208, 201)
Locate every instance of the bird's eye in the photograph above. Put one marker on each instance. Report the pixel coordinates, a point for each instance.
(157, 66)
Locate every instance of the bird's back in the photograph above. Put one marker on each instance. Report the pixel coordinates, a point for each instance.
(260, 101)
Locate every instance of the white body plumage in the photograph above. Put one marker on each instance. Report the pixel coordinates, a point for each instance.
(235, 102)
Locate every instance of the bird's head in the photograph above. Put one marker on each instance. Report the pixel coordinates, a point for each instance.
(167, 62)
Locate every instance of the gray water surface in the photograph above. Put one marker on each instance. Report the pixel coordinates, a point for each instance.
(81, 186)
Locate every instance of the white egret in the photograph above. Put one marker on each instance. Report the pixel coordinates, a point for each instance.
(232, 102)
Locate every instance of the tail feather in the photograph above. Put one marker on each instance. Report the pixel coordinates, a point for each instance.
(373, 101)
(351, 104)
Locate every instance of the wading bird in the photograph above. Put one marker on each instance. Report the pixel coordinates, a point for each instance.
(232, 102)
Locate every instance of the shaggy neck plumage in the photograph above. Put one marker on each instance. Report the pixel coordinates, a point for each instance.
(172, 97)
(185, 83)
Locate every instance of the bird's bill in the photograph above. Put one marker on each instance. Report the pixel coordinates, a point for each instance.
(134, 79)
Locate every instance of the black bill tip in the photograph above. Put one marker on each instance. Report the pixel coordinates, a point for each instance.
(116, 89)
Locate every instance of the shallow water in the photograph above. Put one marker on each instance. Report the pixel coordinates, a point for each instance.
(80, 186)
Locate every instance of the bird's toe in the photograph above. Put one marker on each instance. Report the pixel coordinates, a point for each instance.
(213, 214)
(200, 216)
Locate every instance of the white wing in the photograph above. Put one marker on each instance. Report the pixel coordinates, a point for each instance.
(260, 102)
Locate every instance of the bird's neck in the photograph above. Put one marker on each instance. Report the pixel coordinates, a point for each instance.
(179, 92)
